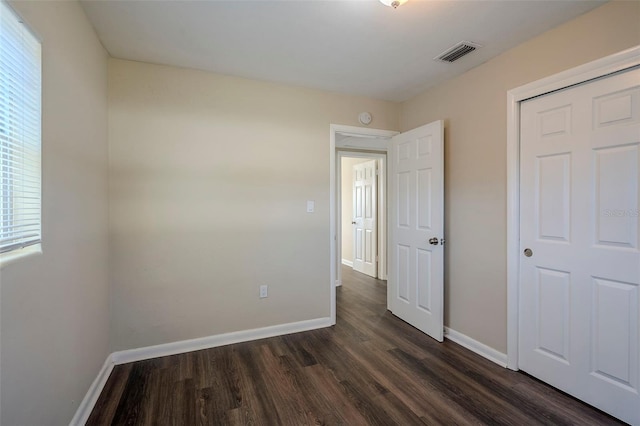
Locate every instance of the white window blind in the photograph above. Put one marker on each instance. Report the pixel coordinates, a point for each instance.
(20, 132)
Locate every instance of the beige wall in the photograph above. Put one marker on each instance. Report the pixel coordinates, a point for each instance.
(209, 181)
(55, 306)
(347, 205)
(474, 107)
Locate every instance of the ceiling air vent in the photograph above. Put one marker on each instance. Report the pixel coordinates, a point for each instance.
(457, 51)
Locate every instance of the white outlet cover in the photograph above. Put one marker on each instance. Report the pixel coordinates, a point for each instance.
(311, 206)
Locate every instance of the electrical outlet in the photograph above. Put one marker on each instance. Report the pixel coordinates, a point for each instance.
(264, 291)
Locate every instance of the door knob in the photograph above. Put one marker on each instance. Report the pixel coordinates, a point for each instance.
(528, 252)
(353, 223)
(433, 241)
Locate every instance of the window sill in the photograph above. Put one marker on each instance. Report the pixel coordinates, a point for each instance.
(17, 255)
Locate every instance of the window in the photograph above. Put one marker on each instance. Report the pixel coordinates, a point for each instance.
(20, 110)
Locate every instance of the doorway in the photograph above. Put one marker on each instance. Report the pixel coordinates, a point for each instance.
(415, 285)
(353, 142)
(362, 204)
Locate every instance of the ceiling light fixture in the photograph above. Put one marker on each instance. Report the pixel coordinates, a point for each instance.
(393, 3)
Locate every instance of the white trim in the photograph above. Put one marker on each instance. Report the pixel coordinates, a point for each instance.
(89, 401)
(173, 348)
(382, 218)
(376, 143)
(348, 263)
(596, 69)
(333, 281)
(361, 132)
(17, 255)
(333, 238)
(475, 346)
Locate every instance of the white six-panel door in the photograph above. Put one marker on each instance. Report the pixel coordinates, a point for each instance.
(365, 224)
(579, 298)
(416, 217)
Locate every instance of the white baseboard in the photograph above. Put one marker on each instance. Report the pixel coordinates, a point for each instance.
(173, 348)
(139, 354)
(477, 347)
(89, 401)
(347, 263)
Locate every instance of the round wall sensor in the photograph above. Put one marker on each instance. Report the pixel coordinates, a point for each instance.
(365, 118)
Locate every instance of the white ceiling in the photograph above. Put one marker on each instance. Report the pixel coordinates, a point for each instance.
(358, 47)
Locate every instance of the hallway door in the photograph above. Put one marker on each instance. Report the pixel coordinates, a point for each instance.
(365, 222)
(415, 291)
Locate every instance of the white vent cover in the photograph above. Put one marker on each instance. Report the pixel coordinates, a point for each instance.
(458, 51)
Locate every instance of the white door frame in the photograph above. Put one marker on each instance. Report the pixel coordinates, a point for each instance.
(592, 70)
(381, 208)
(372, 143)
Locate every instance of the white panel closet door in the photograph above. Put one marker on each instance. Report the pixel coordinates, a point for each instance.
(365, 214)
(579, 298)
(415, 286)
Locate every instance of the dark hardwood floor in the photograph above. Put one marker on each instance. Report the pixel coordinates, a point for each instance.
(371, 368)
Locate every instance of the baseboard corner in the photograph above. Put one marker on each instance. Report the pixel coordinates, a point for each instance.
(132, 355)
(93, 393)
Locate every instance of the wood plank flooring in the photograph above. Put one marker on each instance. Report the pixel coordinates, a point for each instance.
(370, 369)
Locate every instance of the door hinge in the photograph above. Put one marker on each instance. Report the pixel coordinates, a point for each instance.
(377, 260)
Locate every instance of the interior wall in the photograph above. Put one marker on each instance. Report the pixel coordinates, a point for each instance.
(55, 306)
(347, 164)
(209, 179)
(474, 108)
